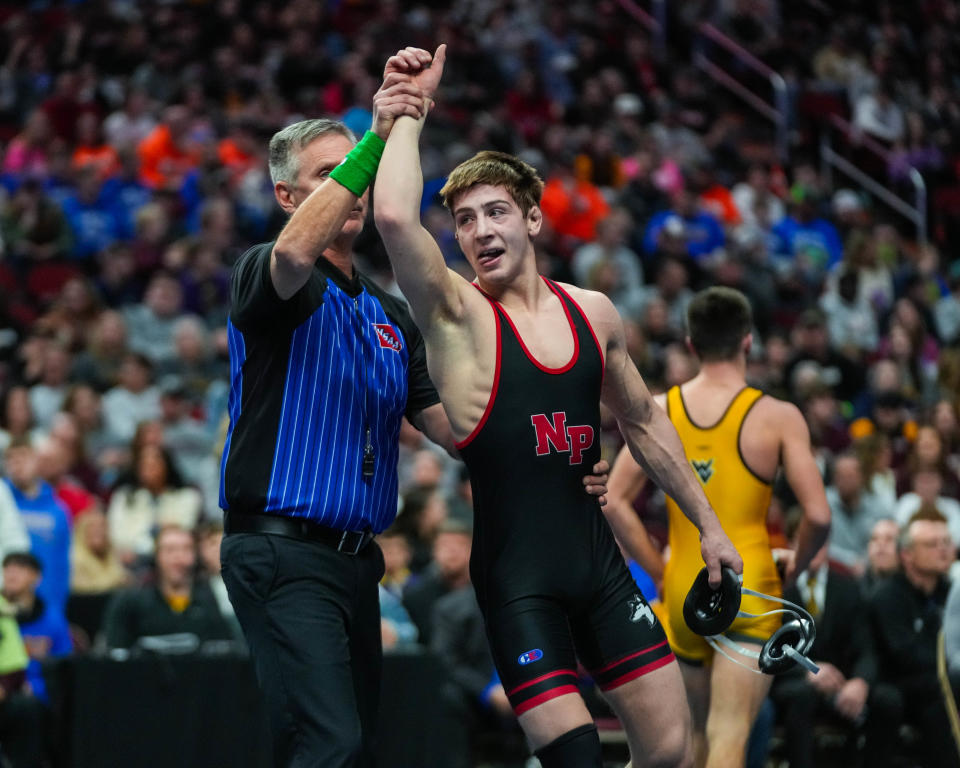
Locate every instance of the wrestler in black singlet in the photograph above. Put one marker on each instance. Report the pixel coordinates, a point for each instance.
(549, 578)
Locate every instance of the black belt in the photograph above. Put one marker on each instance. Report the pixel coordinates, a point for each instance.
(348, 542)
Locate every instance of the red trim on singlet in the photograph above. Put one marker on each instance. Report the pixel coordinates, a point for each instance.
(603, 368)
(545, 696)
(638, 672)
(540, 679)
(523, 346)
(612, 664)
(493, 389)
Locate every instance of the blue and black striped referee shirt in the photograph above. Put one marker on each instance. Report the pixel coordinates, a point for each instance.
(308, 375)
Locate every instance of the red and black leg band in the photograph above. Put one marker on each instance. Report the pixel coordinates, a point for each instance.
(632, 666)
(533, 692)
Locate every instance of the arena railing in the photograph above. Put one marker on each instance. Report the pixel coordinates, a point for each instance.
(777, 109)
(655, 20)
(831, 160)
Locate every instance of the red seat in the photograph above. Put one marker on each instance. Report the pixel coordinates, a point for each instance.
(9, 283)
(946, 201)
(819, 105)
(945, 209)
(45, 281)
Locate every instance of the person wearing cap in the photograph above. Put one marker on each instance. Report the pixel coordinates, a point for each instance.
(22, 715)
(43, 626)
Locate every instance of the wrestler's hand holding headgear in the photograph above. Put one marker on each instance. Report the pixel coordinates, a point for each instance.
(710, 612)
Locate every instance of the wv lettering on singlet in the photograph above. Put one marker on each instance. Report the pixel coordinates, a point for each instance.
(554, 434)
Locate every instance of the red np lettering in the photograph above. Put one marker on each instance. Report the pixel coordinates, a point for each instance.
(554, 433)
(550, 433)
(581, 438)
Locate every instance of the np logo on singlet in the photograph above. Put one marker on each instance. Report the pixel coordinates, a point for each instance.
(554, 434)
(387, 337)
(704, 469)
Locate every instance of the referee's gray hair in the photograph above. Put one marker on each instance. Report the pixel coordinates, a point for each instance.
(286, 144)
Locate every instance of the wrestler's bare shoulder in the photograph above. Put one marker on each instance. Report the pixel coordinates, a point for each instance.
(770, 423)
(598, 308)
(778, 414)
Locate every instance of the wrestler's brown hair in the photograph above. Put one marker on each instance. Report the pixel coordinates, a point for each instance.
(498, 169)
(718, 320)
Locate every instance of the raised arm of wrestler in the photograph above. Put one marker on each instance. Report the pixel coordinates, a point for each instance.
(460, 333)
(405, 74)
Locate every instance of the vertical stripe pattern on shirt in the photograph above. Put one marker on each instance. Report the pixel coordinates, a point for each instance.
(238, 356)
(340, 378)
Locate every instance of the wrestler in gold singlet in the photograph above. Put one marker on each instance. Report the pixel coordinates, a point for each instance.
(724, 695)
(741, 500)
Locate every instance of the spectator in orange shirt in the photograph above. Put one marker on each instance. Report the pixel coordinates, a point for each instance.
(166, 155)
(714, 197)
(92, 150)
(238, 152)
(599, 162)
(572, 207)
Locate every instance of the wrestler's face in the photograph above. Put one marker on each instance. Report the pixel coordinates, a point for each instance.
(495, 235)
(316, 160)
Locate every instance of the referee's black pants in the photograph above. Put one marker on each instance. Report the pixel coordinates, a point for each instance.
(311, 616)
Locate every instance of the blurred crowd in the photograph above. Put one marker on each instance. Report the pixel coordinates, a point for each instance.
(133, 173)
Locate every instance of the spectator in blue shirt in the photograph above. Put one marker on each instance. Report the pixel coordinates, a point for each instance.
(687, 221)
(397, 629)
(43, 626)
(126, 193)
(806, 238)
(94, 218)
(46, 520)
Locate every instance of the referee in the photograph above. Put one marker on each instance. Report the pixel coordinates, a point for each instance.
(323, 367)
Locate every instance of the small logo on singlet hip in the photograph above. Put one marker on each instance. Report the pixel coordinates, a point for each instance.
(387, 337)
(704, 469)
(554, 434)
(529, 657)
(640, 610)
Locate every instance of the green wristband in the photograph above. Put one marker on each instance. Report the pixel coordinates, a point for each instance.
(360, 165)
